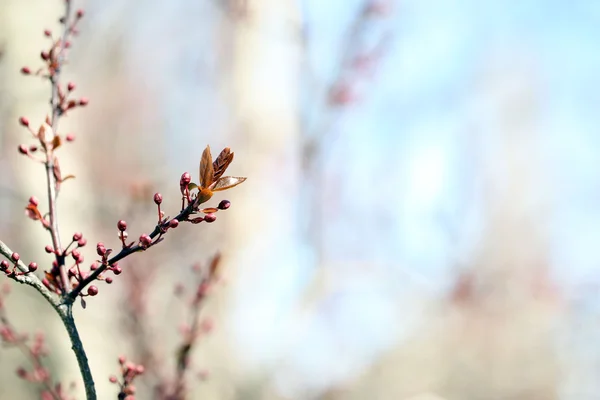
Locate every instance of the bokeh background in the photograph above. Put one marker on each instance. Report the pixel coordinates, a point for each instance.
(421, 217)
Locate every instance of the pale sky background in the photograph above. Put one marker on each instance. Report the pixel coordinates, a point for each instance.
(409, 194)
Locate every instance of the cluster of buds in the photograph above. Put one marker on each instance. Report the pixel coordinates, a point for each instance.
(193, 195)
(52, 279)
(53, 58)
(62, 99)
(129, 371)
(11, 269)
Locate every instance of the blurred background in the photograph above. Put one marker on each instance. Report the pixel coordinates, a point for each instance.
(421, 217)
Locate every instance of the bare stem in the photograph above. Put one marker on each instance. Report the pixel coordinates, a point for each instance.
(66, 315)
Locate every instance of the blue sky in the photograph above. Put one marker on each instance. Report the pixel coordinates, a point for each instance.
(410, 201)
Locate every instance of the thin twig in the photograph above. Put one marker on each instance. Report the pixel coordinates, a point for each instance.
(30, 279)
(126, 251)
(50, 165)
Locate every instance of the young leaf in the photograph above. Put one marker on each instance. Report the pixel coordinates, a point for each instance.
(214, 265)
(222, 162)
(206, 168)
(226, 182)
(56, 142)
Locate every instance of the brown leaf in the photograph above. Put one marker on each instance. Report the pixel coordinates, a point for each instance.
(41, 134)
(206, 168)
(32, 212)
(203, 196)
(56, 142)
(56, 170)
(222, 162)
(226, 182)
(214, 265)
(209, 210)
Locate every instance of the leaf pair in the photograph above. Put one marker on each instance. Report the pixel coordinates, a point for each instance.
(211, 174)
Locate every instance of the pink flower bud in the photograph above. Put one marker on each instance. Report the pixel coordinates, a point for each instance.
(145, 240)
(92, 290)
(224, 205)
